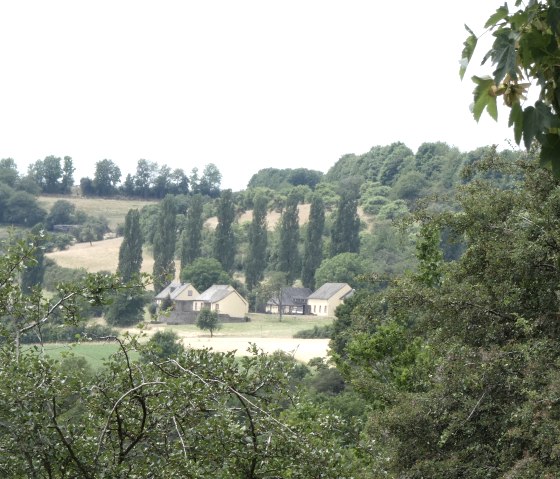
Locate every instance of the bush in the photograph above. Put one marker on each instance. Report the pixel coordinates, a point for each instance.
(208, 320)
(322, 332)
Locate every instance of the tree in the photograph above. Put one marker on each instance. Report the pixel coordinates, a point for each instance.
(313, 248)
(145, 174)
(208, 320)
(272, 288)
(256, 262)
(130, 252)
(107, 177)
(52, 174)
(8, 172)
(191, 237)
(203, 273)
(224, 241)
(62, 213)
(67, 181)
(163, 345)
(342, 268)
(32, 275)
(288, 254)
(164, 244)
(525, 51)
(209, 184)
(23, 209)
(345, 232)
(459, 361)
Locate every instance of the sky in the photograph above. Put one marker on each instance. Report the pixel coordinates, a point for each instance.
(244, 84)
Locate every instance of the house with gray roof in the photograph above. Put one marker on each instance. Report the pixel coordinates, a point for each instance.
(224, 299)
(291, 301)
(325, 300)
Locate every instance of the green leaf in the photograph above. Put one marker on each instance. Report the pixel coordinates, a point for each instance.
(468, 50)
(550, 153)
(484, 97)
(500, 14)
(536, 120)
(553, 17)
(504, 55)
(516, 119)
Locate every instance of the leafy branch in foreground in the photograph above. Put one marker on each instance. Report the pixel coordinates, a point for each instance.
(525, 50)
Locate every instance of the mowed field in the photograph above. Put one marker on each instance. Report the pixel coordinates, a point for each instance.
(97, 256)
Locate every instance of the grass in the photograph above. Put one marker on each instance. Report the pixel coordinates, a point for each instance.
(94, 353)
(114, 210)
(260, 326)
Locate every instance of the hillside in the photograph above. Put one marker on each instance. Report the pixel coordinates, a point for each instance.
(113, 209)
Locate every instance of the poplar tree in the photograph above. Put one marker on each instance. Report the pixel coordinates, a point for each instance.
(130, 252)
(256, 263)
(164, 245)
(313, 252)
(224, 242)
(345, 233)
(191, 238)
(288, 255)
(127, 307)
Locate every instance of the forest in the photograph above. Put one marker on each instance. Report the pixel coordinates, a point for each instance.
(445, 363)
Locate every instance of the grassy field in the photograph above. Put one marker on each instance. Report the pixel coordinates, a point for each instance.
(94, 353)
(260, 326)
(112, 209)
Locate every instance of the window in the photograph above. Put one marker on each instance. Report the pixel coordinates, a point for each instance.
(217, 307)
(314, 308)
(326, 310)
(189, 293)
(320, 308)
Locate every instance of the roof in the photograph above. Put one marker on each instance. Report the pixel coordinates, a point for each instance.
(327, 291)
(170, 288)
(179, 290)
(215, 293)
(289, 295)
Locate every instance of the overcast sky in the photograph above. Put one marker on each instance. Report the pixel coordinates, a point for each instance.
(242, 84)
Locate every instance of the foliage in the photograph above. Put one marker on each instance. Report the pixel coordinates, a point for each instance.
(288, 255)
(164, 244)
(224, 241)
(258, 241)
(162, 345)
(21, 208)
(208, 320)
(130, 251)
(525, 50)
(278, 179)
(191, 237)
(313, 247)
(107, 177)
(317, 332)
(460, 362)
(33, 273)
(345, 232)
(342, 268)
(203, 273)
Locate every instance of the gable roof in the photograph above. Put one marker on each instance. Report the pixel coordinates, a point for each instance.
(290, 295)
(170, 288)
(215, 293)
(180, 289)
(327, 291)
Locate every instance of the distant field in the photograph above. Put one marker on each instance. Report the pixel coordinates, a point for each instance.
(112, 209)
(99, 256)
(94, 353)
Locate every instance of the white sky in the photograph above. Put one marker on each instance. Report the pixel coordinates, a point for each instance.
(242, 84)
